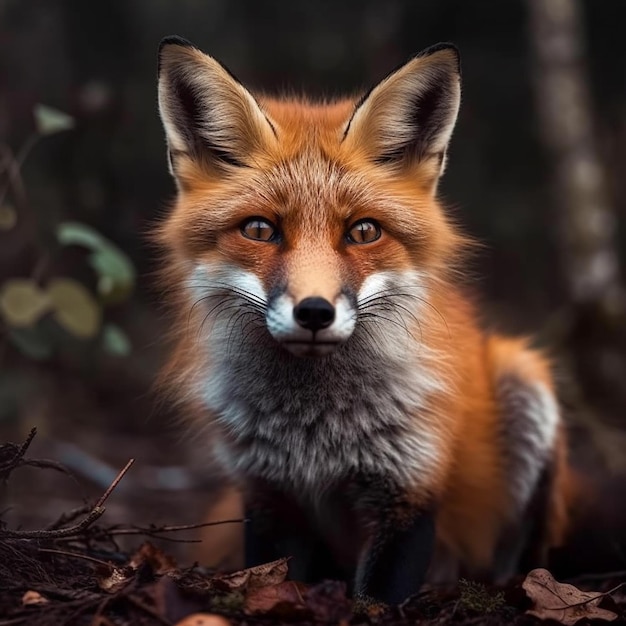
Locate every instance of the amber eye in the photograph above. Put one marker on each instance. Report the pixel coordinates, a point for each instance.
(364, 231)
(259, 229)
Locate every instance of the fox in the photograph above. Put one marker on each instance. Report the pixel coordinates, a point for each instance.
(329, 352)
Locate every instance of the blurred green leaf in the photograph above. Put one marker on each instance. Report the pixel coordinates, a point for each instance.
(32, 342)
(77, 234)
(50, 120)
(8, 217)
(115, 341)
(115, 270)
(74, 308)
(117, 274)
(22, 302)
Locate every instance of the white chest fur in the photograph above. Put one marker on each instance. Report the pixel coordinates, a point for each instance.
(308, 423)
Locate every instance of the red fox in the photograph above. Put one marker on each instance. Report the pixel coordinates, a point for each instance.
(331, 360)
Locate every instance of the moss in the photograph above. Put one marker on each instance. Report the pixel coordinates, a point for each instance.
(228, 603)
(476, 597)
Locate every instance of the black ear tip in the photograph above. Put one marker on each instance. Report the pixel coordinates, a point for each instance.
(438, 47)
(172, 40)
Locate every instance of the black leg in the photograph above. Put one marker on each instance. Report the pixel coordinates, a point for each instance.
(523, 545)
(267, 539)
(394, 565)
(259, 539)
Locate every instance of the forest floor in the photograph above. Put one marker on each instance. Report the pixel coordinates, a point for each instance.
(77, 571)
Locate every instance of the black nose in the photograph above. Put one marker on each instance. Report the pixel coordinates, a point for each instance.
(314, 313)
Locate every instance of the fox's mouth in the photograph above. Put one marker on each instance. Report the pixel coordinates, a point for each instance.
(310, 348)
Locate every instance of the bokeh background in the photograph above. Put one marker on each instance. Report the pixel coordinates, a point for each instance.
(83, 180)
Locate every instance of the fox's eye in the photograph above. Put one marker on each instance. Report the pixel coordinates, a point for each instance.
(258, 229)
(364, 231)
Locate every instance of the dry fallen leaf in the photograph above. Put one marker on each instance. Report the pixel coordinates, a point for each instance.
(203, 619)
(562, 602)
(111, 579)
(264, 575)
(33, 597)
(284, 598)
(147, 553)
(115, 578)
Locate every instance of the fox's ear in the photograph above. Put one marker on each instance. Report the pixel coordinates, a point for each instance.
(208, 115)
(409, 116)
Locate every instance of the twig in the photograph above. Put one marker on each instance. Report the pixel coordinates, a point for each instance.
(66, 518)
(70, 531)
(7, 467)
(155, 532)
(76, 555)
(136, 530)
(20, 460)
(114, 484)
(46, 464)
(24, 447)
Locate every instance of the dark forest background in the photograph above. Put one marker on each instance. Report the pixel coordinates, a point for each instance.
(81, 205)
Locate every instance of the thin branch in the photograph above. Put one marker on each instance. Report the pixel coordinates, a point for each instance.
(12, 463)
(114, 484)
(67, 518)
(155, 531)
(136, 530)
(70, 531)
(46, 464)
(75, 555)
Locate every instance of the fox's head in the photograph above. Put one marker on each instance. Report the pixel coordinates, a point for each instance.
(307, 221)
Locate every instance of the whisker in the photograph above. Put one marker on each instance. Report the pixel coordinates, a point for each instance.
(399, 293)
(197, 302)
(253, 325)
(234, 323)
(228, 297)
(219, 307)
(368, 317)
(393, 308)
(252, 297)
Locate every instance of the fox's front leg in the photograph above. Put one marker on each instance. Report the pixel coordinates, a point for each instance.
(268, 539)
(278, 527)
(394, 561)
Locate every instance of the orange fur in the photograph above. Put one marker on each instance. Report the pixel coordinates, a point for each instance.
(309, 158)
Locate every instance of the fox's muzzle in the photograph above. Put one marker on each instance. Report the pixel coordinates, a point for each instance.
(312, 326)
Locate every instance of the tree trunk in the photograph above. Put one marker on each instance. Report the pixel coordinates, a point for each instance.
(595, 337)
